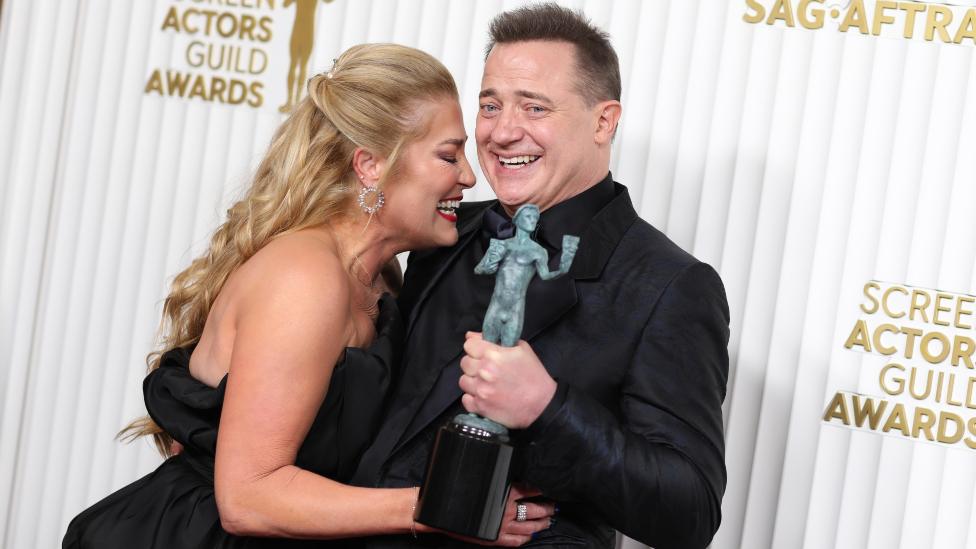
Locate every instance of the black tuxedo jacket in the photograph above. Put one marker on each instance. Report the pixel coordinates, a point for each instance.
(636, 337)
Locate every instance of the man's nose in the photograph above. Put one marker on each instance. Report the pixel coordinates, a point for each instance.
(508, 127)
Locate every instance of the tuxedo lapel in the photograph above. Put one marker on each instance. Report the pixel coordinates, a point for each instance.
(545, 302)
(549, 300)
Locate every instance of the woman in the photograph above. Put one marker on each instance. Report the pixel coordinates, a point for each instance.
(265, 333)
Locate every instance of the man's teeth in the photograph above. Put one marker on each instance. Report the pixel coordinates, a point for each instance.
(448, 206)
(518, 161)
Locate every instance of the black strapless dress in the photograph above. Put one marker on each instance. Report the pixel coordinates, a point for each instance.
(174, 508)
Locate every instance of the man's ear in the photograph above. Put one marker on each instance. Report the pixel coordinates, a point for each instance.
(368, 166)
(607, 116)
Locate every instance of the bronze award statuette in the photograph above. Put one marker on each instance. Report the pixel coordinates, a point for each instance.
(467, 480)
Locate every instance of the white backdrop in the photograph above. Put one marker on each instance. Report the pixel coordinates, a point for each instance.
(800, 163)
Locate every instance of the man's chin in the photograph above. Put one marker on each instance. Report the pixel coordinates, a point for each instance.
(511, 195)
(510, 204)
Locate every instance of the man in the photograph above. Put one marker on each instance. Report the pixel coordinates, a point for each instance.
(615, 392)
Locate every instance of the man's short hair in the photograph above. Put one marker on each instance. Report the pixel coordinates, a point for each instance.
(596, 61)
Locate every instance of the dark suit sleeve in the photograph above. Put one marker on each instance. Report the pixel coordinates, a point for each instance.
(656, 472)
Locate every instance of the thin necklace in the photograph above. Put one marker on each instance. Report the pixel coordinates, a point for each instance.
(368, 301)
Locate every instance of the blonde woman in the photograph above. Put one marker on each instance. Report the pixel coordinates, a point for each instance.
(278, 348)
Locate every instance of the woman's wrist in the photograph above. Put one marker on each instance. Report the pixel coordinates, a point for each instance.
(416, 527)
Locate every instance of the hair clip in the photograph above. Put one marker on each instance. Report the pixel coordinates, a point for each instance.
(332, 70)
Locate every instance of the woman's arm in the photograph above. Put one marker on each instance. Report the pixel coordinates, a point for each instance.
(292, 321)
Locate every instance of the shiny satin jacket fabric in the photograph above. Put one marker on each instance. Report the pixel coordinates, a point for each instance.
(174, 507)
(636, 337)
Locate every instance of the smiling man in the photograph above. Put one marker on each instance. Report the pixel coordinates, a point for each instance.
(615, 391)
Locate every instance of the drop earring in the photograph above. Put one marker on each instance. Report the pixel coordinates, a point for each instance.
(370, 206)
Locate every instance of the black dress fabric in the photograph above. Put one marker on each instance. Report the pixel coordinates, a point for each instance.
(174, 508)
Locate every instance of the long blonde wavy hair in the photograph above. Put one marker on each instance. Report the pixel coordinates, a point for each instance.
(369, 99)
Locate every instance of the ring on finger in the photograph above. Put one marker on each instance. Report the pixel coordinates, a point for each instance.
(521, 512)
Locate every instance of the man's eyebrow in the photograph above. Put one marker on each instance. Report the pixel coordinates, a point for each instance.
(491, 92)
(533, 95)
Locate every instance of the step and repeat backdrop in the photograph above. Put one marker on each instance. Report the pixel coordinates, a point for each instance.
(821, 154)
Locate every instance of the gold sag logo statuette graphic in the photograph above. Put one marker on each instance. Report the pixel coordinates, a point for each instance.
(948, 22)
(225, 56)
(300, 48)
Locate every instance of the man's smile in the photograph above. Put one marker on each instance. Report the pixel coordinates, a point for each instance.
(517, 162)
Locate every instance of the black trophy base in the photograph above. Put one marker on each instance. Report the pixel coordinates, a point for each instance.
(466, 485)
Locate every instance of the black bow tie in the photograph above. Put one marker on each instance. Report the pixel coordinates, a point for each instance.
(497, 225)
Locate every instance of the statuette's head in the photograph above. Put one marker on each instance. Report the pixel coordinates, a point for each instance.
(526, 217)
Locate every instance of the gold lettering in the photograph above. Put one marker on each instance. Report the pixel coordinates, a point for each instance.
(878, 344)
(171, 21)
(257, 55)
(926, 348)
(910, 334)
(155, 83)
(970, 403)
(943, 435)
(248, 22)
(897, 420)
(923, 424)
(950, 390)
(199, 89)
(940, 308)
(837, 409)
(915, 306)
(195, 55)
(873, 308)
(217, 87)
(859, 336)
(258, 98)
(229, 17)
(911, 384)
(237, 92)
(960, 311)
(910, 9)
(759, 15)
(972, 430)
(186, 21)
(962, 349)
(880, 18)
(967, 29)
(782, 10)
(177, 81)
(855, 17)
(804, 11)
(265, 24)
(887, 295)
(868, 411)
(935, 23)
(898, 380)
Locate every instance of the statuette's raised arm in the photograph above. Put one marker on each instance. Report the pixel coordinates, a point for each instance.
(493, 257)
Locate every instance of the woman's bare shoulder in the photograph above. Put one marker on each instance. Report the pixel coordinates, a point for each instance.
(298, 266)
